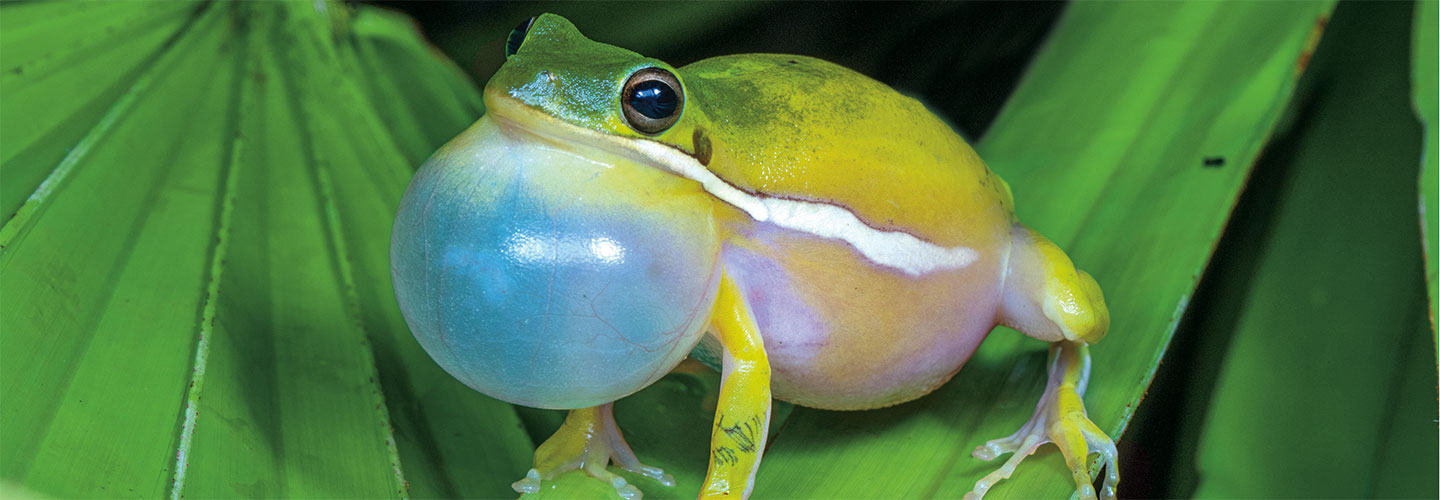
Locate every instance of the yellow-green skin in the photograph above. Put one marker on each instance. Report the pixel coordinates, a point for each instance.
(841, 331)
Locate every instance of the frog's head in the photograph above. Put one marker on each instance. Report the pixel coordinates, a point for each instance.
(553, 74)
(540, 257)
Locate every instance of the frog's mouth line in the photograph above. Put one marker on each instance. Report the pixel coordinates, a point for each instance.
(894, 249)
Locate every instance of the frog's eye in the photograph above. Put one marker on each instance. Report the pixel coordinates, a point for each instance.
(517, 37)
(652, 100)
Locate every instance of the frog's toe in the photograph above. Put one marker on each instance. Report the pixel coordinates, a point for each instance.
(1022, 444)
(1024, 439)
(1077, 439)
(624, 457)
(655, 473)
(589, 440)
(625, 490)
(530, 484)
(1059, 418)
(622, 487)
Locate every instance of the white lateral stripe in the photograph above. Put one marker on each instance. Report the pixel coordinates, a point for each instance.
(896, 249)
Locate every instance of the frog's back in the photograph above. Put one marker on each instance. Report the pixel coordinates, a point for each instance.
(845, 330)
(802, 128)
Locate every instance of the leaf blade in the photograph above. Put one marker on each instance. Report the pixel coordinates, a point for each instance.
(1423, 86)
(1117, 140)
(278, 205)
(76, 285)
(1332, 312)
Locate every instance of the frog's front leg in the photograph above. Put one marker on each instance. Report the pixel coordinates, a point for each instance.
(1047, 298)
(589, 440)
(742, 418)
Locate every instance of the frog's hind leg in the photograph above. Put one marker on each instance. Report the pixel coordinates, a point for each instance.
(1047, 298)
(589, 440)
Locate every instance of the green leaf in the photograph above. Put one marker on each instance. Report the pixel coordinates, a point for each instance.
(197, 299)
(1424, 87)
(70, 292)
(62, 85)
(1327, 387)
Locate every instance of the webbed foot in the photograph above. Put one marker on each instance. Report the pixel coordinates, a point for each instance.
(589, 440)
(1059, 418)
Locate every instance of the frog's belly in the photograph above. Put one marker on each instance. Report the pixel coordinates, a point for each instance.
(844, 333)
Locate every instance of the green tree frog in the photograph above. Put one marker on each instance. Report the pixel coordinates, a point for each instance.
(819, 237)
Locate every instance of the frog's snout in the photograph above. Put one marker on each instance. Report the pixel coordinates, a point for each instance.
(551, 277)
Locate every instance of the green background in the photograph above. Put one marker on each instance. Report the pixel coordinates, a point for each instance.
(197, 199)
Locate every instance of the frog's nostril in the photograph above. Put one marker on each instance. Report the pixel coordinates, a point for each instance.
(548, 76)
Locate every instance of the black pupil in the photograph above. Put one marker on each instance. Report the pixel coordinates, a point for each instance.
(517, 37)
(653, 98)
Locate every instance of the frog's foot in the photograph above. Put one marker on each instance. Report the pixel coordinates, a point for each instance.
(589, 440)
(1059, 418)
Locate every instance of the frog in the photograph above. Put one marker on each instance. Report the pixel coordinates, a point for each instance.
(812, 233)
